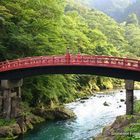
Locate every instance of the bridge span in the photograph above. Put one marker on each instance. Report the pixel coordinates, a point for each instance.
(109, 66)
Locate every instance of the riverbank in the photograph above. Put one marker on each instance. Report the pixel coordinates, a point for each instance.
(11, 129)
(124, 127)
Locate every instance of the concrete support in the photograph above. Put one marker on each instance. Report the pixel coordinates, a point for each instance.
(129, 86)
(10, 98)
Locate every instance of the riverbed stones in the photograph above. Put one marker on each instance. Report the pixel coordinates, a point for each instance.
(122, 100)
(82, 101)
(85, 98)
(106, 104)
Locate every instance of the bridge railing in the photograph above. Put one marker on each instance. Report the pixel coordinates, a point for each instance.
(69, 59)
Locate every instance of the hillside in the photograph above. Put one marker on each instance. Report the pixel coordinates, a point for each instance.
(113, 8)
(133, 8)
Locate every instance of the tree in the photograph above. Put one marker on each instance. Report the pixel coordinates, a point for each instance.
(132, 19)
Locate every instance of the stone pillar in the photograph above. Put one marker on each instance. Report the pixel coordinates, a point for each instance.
(11, 96)
(129, 86)
(6, 103)
(18, 91)
(14, 107)
(1, 99)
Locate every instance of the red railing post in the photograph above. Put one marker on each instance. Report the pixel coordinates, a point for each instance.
(138, 64)
(79, 57)
(124, 62)
(82, 59)
(67, 58)
(53, 59)
(95, 59)
(109, 60)
(41, 59)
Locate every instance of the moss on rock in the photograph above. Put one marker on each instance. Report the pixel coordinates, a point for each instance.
(59, 113)
(120, 127)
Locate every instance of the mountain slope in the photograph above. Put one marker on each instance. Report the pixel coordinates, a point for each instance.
(133, 8)
(114, 8)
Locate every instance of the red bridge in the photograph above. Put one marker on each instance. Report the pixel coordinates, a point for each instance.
(116, 67)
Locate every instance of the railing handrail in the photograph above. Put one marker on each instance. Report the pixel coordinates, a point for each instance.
(70, 59)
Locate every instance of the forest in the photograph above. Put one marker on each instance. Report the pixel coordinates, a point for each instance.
(45, 27)
(117, 9)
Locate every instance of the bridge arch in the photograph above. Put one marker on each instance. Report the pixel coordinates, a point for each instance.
(109, 66)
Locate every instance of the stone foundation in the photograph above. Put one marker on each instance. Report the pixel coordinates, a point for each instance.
(10, 97)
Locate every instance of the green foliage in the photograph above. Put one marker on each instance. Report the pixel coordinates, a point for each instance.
(4, 122)
(133, 8)
(137, 106)
(132, 34)
(56, 88)
(46, 27)
(132, 19)
(113, 8)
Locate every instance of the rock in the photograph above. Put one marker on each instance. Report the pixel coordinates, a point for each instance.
(118, 127)
(47, 114)
(36, 119)
(23, 124)
(15, 129)
(135, 98)
(122, 100)
(121, 90)
(85, 98)
(82, 101)
(28, 123)
(105, 104)
(120, 106)
(100, 96)
(5, 131)
(10, 131)
(78, 99)
(60, 113)
(63, 114)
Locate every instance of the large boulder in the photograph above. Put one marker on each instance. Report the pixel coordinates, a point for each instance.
(59, 113)
(63, 113)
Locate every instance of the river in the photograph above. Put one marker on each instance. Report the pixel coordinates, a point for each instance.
(91, 114)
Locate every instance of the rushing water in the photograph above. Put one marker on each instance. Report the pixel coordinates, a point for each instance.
(91, 114)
